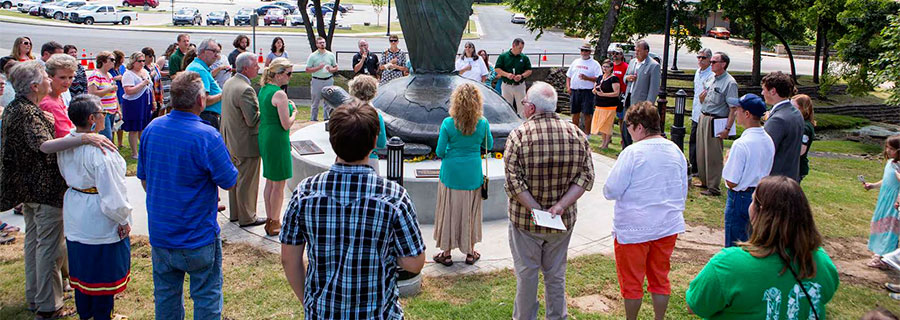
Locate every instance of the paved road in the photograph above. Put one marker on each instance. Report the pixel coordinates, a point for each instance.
(494, 20)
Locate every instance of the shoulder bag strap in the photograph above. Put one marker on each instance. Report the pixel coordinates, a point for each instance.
(486, 132)
(812, 307)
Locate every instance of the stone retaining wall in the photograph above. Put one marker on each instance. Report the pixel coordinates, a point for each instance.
(879, 113)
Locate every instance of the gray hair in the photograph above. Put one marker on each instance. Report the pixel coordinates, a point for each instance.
(706, 52)
(25, 74)
(543, 96)
(60, 61)
(205, 45)
(725, 58)
(186, 89)
(243, 61)
(643, 44)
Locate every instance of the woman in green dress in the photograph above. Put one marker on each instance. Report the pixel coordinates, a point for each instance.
(276, 116)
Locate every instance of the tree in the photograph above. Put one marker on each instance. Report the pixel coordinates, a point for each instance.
(378, 6)
(889, 62)
(320, 22)
(823, 14)
(863, 42)
(602, 20)
(683, 37)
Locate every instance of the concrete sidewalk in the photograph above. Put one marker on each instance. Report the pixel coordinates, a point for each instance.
(592, 232)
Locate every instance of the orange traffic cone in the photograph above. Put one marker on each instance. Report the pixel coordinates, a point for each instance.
(83, 58)
(91, 62)
(544, 57)
(260, 60)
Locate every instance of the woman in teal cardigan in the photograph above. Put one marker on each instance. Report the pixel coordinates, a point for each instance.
(457, 218)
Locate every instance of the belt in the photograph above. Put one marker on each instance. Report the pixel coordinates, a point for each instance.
(713, 115)
(317, 78)
(91, 190)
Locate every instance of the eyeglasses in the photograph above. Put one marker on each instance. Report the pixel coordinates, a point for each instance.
(103, 112)
(215, 51)
(702, 57)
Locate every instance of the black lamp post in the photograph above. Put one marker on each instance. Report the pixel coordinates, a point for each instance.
(395, 160)
(661, 102)
(678, 123)
(389, 19)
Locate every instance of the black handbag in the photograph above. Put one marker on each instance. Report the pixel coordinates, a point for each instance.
(484, 181)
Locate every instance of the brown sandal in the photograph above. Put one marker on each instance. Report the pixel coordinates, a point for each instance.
(273, 228)
(63, 312)
(445, 260)
(472, 258)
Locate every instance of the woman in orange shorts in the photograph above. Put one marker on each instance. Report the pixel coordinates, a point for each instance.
(606, 99)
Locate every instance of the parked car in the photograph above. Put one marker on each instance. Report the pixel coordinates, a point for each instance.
(243, 16)
(261, 11)
(34, 11)
(719, 33)
(518, 18)
(218, 17)
(140, 3)
(288, 7)
(342, 8)
(311, 8)
(187, 16)
(102, 14)
(57, 9)
(7, 4)
(296, 19)
(327, 19)
(275, 16)
(25, 6)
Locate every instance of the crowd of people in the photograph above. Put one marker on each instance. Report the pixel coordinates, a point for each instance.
(197, 124)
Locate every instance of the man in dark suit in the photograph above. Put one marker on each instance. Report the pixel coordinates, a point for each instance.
(784, 124)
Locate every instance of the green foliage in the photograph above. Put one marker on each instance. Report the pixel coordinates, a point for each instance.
(863, 42)
(889, 62)
(825, 121)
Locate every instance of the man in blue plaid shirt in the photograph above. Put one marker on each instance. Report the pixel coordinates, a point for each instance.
(359, 228)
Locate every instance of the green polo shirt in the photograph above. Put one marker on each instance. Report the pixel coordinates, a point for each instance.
(515, 64)
(175, 62)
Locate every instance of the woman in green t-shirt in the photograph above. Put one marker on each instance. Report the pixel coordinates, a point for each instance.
(752, 281)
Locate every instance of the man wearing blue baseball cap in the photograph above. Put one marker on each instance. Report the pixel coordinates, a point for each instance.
(749, 160)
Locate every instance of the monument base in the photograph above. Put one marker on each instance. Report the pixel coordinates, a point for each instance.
(423, 191)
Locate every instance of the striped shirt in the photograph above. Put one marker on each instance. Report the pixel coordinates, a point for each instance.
(103, 81)
(183, 161)
(355, 225)
(545, 156)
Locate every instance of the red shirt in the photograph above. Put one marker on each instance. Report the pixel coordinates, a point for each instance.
(61, 123)
(619, 71)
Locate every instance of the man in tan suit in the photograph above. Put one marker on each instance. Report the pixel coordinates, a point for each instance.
(240, 128)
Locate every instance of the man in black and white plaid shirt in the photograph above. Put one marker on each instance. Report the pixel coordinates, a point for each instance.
(359, 228)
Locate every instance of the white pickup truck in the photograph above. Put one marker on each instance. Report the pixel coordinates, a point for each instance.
(102, 14)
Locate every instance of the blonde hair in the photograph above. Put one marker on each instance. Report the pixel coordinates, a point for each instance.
(277, 66)
(466, 108)
(16, 54)
(59, 62)
(134, 58)
(363, 87)
(804, 103)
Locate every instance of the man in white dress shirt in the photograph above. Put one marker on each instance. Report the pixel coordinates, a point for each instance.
(704, 71)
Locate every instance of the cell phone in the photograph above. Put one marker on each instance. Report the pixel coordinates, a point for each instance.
(861, 179)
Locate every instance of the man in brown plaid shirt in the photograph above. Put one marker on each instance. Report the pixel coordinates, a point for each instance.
(548, 167)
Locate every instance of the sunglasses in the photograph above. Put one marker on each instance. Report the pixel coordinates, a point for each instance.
(715, 61)
(26, 43)
(394, 40)
(141, 61)
(702, 57)
(288, 73)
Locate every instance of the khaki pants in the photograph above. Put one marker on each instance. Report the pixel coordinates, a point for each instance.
(242, 199)
(545, 252)
(514, 94)
(709, 154)
(44, 253)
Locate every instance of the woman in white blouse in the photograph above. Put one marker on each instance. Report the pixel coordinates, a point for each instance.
(649, 185)
(96, 214)
(470, 66)
(137, 102)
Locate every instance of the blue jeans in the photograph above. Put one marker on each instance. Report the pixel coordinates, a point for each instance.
(737, 216)
(204, 265)
(107, 131)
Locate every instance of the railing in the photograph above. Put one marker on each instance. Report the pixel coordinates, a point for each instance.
(538, 59)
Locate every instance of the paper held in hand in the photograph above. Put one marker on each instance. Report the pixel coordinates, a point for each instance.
(546, 219)
(719, 125)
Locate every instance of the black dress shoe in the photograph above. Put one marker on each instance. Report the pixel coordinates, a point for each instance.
(258, 222)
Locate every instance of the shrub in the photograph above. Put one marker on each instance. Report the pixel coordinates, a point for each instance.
(825, 121)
